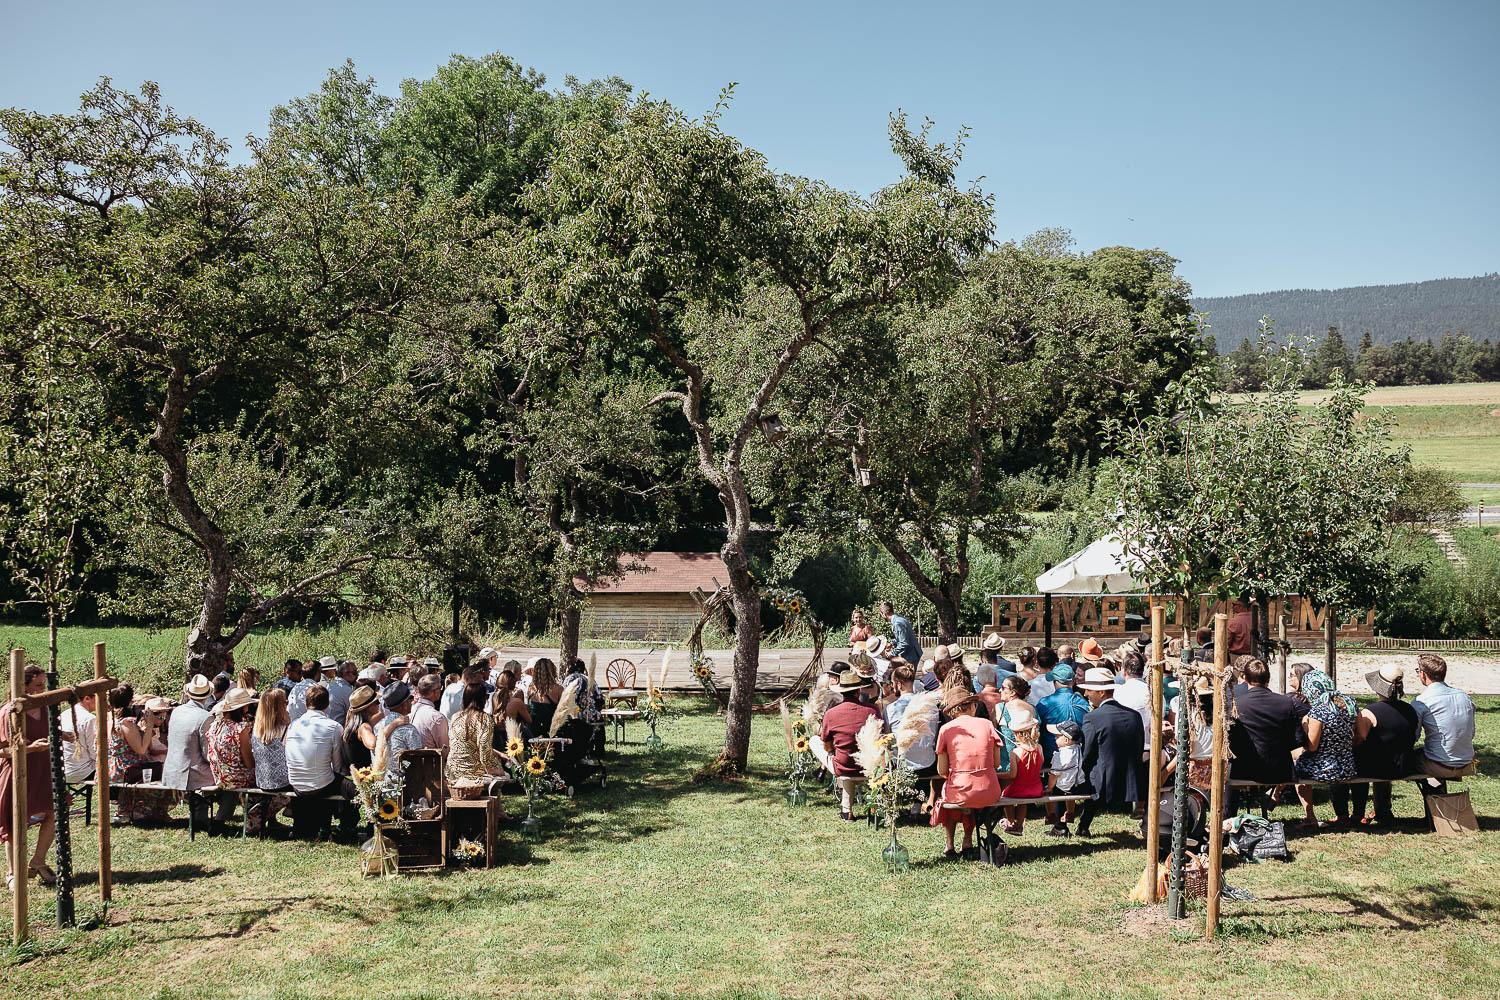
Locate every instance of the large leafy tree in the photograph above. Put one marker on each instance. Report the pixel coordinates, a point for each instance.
(666, 235)
(195, 287)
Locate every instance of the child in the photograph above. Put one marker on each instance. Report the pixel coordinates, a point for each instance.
(1067, 769)
(1023, 778)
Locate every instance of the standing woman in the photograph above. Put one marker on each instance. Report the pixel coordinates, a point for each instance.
(33, 731)
(136, 742)
(860, 630)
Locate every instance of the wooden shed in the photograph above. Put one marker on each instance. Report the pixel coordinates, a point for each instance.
(658, 599)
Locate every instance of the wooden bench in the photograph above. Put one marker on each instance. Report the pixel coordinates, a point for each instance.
(245, 794)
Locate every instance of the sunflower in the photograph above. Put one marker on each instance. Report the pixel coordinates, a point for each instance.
(780, 604)
(536, 766)
(799, 724)
(795, 607)
(389, 810)
(888, 739)
(701, 671)
(656, 703)
(801, 744)
(361, 775)
(515, 746)
(881, 781)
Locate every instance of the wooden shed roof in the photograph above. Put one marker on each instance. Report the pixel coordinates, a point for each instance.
(663, 573)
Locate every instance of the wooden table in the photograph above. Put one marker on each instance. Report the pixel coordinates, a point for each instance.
(486, 811)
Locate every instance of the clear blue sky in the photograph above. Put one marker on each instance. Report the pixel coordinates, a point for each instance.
(1267, 145)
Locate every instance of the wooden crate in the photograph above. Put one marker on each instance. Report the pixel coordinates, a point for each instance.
(422, 844)
(424, 779)
(477, 819)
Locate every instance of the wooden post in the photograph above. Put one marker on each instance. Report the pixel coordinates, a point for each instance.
(19, 814)
(1046, 613)
(1281, 647)
(1153, 803)
(1331, 644)
(101, 776)
(1216, 804)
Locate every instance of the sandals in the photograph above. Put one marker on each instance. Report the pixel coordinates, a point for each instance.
(47, 875)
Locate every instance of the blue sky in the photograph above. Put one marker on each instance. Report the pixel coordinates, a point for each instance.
(1268, 145)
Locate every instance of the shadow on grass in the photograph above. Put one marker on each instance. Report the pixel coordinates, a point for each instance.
(1422, 908)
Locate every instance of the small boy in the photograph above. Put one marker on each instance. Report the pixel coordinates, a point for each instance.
(1067, 770)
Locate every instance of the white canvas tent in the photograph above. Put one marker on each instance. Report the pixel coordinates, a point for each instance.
(1100, 567)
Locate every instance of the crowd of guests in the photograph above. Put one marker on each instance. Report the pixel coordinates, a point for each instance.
(1066, 721)
(300, 737)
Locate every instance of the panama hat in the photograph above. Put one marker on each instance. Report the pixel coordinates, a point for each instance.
(994, 641)
(236, 699)
(328, 662)
(158, 705)
(849, 680)
(198, 688)
(876, 645)
(952, 651)
(1386, 680)
(1098, 679)
(362, 698)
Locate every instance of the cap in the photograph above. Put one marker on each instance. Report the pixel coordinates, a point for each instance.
(1069, 728)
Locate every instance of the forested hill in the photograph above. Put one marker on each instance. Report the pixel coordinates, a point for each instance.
(1422, 309)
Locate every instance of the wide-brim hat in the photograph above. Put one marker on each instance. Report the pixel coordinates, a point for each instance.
(395, 661)
(957, 697)
(1386, 680)
(198, 687)
(849, 680)
(952, 651)
(328, 662)
(1090, 650)
(994, 641)
(234, 700)
(433, 661)
(1019, 715)
(876, 645)
(362, 698)
(398, 695)
(158, 705)
(1098, 679)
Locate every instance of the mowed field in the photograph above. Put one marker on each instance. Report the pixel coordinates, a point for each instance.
(659, 887)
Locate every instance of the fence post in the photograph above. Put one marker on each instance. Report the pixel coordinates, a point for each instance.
(101, 776)
(1216, 807)
(20, 815)
(1331, 643)
(1153, 803)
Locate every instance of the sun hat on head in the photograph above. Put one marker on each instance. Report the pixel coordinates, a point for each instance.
(876, 645)
(952, 651)
(158, 705)
(1387, 680)
(486, 653)
(198, 688)
(396, 661)
(362, 698)
(398, 695)
(850, 680)
(1090, 650)
(328, 662)
(432, 661)
(1019, 715)
(957, 697)
(993, 641)
(1098, 679)
(236, 699)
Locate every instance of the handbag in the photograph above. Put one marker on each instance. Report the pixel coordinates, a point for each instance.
(1452, 814)
(1258, 839)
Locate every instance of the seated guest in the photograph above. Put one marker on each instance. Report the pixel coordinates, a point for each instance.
(135, 744)
(1134, 693)
(921, 756)
(1066, 771)
(1265, 733)
(268, 747)
(1012, 696)
(1385, 734)
(471, 750)
(396, 728)
(80, 752)
(989, 652)
(1200, 753)
(227, 743)
(1063, 705)
(1067, 655)
(186, 768)
(431, 725)
(543, 694)
(315, 768)
(221, 686)
(296, 698)
(1022, 779)
(590, 702)
(1035, 676)
(968, 753)
(1330, 744)
(339, 689)
(879, 652)
(841, 724)
(291, 674)
(1447, 718)
(1113, 740)
(507, 702)
(249, 680)
(453, 694)
(987, 680)
(359, 725)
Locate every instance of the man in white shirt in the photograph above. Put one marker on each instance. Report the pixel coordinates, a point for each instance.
(430, 724)
(80, 754)
(453, 695)
(315, 765)
(1135, 693)
(339, 689)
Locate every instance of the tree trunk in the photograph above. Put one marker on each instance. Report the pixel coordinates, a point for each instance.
(746, 601)
(946, 601)
(51, 638)
(572, 618)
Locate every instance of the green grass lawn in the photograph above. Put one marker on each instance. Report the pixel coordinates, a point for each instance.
(658, 886)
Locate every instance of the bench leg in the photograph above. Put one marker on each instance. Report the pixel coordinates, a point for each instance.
(192, 828)
(244, 815)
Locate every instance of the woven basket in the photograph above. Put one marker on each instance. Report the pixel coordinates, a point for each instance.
(467, 789)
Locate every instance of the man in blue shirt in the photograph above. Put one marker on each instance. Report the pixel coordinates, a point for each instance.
(1062, 705)
(1446, 716)
(903, 639)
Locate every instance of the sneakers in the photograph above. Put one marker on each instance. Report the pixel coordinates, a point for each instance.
(1059, 830)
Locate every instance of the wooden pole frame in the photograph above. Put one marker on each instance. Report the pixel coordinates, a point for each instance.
(1331, 644)
(20, 815)
(1281, 647)
(101, 776)
(1216, 806)
(1154, 741)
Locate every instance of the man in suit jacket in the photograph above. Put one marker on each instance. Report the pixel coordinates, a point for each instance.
(1266, 731)
(186, 767)
(1113, 741)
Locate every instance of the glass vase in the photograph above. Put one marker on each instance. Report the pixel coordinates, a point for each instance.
(795, 796)
(897, 858)
(653, 742)
(531, 826)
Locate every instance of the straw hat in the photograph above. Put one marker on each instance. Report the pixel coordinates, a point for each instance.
(362, 698)
(329, 662)
(993, 641)
(876, 645)
(849, 680)
(236, 699)
(1386, 680)
(1020, 715)
(952, 651)
(1098, 679)
(158, 705)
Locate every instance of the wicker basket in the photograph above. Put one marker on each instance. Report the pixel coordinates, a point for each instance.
(467, 790)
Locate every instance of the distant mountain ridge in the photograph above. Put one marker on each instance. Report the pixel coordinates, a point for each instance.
(1421, 309)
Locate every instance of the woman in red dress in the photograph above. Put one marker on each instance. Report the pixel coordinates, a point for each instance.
(968, 752)
(38, 782)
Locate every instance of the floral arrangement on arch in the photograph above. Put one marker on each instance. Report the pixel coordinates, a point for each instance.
(703, 669)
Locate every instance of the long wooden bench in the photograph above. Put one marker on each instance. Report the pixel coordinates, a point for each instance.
(245, 794)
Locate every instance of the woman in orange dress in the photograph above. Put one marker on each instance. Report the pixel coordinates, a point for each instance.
(968, 753)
